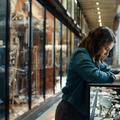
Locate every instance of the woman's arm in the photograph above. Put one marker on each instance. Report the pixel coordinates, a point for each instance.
(88, 71)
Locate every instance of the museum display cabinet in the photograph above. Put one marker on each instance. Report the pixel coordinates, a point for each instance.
(36, 42)
(104, 101)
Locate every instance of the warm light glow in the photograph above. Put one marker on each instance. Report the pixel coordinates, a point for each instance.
(100, 24)
(98, 8)
(99, 12)
(99, 20)
(99, 16)
(97, 3)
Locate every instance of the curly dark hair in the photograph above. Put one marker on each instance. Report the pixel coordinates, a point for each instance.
(97, 38)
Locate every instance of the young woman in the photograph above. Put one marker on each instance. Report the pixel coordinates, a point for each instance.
(86, 66)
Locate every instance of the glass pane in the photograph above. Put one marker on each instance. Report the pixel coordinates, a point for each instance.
(78, 15)
(72, 42)
(69, 45)
(70, 6)
(76, 41)
(75, 11)
(116, 51)
(72, 9)
(49, 53)
(57, 56)
(18, 69)
(2, 57)
(37, 51)
(64, 60)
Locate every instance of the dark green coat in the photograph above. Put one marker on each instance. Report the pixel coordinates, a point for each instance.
(83, 70)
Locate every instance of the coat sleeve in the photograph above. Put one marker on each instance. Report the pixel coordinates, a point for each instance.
(87, 70)
(104, 67)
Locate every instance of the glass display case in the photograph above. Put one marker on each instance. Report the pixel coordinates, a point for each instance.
(37, 52)
(35, 48)
(57, 55)
(49, 53)
(18, 61)
(104, 103)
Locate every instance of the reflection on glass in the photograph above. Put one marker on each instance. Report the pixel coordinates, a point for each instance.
(75, 11)
(64, 60)
(70, 6)
(76, 41)
(69, 45)
(2, 57)
(105, 103)
(72, 42)
(78, 14)
(57, 56)
(18, 83)
(37, 52)
(49, 53)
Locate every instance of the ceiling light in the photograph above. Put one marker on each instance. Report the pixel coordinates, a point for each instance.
(97, 3)
(100, 24)
(99, 20)
(99, 12)
(99, 16)
(98, 8)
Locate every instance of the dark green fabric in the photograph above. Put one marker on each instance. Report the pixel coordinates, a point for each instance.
(83, 70)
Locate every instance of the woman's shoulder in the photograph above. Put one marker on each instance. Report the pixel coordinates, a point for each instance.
(81, 56)
(81, 51)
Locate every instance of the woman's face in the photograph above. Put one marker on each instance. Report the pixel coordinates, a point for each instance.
(104, 51)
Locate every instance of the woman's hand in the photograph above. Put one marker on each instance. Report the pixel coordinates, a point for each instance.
(117, 76)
